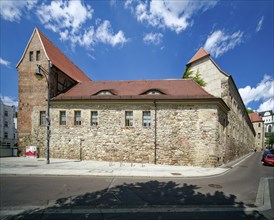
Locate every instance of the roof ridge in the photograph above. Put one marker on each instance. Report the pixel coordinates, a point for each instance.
(43, 37)
(41, 33)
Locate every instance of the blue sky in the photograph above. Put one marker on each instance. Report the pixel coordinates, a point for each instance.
(121, 40)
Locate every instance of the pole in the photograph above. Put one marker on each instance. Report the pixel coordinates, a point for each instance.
(155, 132)
(48, 113)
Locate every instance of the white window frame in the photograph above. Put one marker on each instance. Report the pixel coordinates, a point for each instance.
(129, 118)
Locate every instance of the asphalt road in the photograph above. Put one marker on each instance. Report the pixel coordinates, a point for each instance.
(227, 196)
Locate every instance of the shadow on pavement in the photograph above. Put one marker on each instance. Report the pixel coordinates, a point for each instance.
(145, 200)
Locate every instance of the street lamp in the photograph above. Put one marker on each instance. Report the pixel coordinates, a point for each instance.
(40, 73)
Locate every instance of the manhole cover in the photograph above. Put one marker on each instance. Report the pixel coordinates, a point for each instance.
(217, 186)
(176, 174)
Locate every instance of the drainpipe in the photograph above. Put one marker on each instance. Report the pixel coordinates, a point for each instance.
(155, 132)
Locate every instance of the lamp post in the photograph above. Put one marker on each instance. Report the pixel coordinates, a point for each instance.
(40, 73)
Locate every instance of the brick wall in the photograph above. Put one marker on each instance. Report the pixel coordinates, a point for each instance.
(32, 92)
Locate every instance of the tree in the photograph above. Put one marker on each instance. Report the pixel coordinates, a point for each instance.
(271, 140)
(249, 110)
(188, 74)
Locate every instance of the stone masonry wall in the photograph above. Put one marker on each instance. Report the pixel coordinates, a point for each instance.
(238, 137)
(185, 134)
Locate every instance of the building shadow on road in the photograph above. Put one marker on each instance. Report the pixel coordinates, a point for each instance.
(145, 200)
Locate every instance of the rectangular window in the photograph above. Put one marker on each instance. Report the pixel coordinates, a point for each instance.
(63, 119)
(31, 56)
(259, 135)
(6, 124)
(77, 118)
(129, 118)
(42, 118)
(6, 135)
(259, 125)
(146, 119)
(6, 113)
(94, 118)
(37, 55)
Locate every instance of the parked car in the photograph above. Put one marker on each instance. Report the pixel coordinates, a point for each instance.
(269, 160)
(266, 152)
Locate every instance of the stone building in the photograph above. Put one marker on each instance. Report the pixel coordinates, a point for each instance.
(258, 125)
(8, 126)
(268, 118)
(145, 121)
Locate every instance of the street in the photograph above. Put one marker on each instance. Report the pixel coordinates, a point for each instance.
(227, 196)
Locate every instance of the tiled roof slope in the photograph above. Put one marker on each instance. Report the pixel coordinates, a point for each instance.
(200, 54)
(255, 117)
(60, 60)
(136, 89)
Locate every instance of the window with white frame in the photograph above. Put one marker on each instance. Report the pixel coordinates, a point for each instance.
(77, 118)
(63, 119)
(129, 118)
(146, 118)
(42, 118)
(94, 118)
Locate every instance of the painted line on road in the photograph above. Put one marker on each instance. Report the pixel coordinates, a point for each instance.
(242, 160)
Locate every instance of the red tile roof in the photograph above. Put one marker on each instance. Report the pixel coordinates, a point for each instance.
(255, 117)
(200, 54)
(136, 89)
(60, 60)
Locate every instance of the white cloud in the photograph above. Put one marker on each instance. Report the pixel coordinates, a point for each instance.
(104, 34)
(219, 42)
(69, 19)
(4, 62)
(260, 24)
(266, 106)
(153, 38)
(264, 92)
(64, 14)
(10, 101)
(174, 15)
(13, 10)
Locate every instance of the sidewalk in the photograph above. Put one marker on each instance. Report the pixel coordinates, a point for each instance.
(64, 167)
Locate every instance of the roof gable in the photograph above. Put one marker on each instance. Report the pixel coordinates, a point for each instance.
(57, 58)
(200, 54)
(255, 117)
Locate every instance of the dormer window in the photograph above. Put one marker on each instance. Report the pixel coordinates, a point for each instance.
(153, 92)
(104, 92)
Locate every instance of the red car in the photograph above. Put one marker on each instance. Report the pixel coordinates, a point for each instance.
(269, 160)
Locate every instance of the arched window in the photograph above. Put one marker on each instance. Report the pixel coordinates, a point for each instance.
(269, 128)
